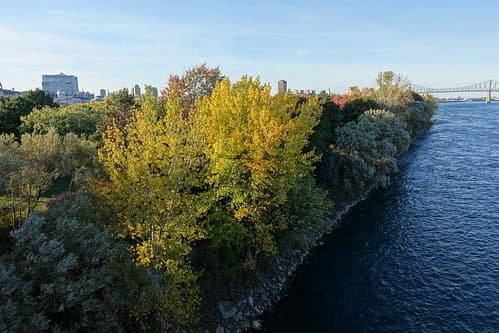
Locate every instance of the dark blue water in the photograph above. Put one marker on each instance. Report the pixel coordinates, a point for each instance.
(421, 255)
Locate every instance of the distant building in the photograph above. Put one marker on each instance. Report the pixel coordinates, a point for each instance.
(308, 92)
(60, 84)
(102, 95)
(155, 91)
(8, 93)
(282, 87)
(64, 89)
(136, 90)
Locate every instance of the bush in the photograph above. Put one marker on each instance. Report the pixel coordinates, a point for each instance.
(66, 275)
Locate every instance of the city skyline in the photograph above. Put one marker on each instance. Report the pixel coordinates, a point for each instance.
(314, 45)
(67, 84)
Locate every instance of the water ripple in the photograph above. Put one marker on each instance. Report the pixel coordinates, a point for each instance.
(420, 256)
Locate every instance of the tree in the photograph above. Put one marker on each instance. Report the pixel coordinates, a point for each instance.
(78, 159)
(393, 89)
(28, 168)
(12, 109)
(254, 144)
(155, 170)
(389, 128)
(84, 119)
(357, 106)
(417, 116)
(369, 148)
(194, 84)
(120, 106)
(322, 141)
(340, 100)
(32, 166)
(65, 275)
(38, 99)
(53, 280)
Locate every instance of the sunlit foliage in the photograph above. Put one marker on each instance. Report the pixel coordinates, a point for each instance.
(255, 148)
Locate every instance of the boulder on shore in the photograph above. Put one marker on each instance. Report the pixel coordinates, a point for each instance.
(227, 309)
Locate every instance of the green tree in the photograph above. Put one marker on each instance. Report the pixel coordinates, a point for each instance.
(390, 128)
(121, 107)
(78, 160)
(155, 172)
(12, 109)
(32, 166)
(393, 89)
(417, 116)
(84, 119)
(65, 275)
(355, 107)
(322, 142)
(29, 167)
(38, 99)
(369, 148)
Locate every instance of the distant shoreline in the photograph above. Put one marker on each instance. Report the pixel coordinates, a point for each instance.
(470, 100)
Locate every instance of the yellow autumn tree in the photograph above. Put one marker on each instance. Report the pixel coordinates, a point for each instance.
(255, 146)
(155, 170)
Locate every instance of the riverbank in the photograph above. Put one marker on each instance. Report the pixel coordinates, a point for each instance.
(245, 314)
(418, 256)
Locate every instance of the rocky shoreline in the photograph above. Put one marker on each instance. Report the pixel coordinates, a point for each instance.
(245, 314)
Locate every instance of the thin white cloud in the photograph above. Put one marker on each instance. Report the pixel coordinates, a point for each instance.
(313, 49)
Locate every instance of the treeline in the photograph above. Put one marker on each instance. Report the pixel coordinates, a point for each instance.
(164, 202)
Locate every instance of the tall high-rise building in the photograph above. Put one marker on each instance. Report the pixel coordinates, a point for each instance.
(282, 87)
(136, 91)
(60, 84)
(102, 93)
(155, 91)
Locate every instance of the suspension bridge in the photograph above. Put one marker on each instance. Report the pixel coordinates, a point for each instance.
(487, 86)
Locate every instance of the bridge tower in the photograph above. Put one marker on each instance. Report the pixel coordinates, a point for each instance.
(488, 98)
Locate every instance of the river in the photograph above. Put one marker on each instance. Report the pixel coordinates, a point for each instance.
(419, 256)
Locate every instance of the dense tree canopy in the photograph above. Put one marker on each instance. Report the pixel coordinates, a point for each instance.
(120, 106)
(29, 167)
(82, 119)
(194, 84)
(12, 109)
(65, 275)
(153, 165)
(254, 144)
(370, 147)
(393, 89)
(168, 200)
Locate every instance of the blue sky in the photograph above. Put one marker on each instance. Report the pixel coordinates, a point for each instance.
(311, 44)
